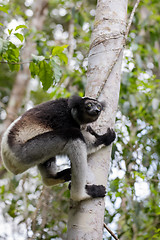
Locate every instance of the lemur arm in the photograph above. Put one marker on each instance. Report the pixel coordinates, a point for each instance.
(105, 139)
(95, 141)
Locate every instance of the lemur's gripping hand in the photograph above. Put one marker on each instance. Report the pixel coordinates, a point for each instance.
(105, 139)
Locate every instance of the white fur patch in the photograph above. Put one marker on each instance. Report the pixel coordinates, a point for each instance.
(29, 131)
(8, 157)
(24, 133)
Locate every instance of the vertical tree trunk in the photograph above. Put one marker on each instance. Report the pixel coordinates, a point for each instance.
(23, 76)
(86, 218)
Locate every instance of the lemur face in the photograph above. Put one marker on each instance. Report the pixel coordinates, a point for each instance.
(92, 110)
(85, 110)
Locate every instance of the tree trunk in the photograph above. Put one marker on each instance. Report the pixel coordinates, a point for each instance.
(23, 76)
(86, 218)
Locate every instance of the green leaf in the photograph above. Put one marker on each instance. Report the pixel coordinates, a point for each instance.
(139, 174)
(63, 58)
(10, 31)
(12, 53)
(57, 72)
(19, 36)
(1, 24)
(114, 185)
(37, 58)
(56, 69)
(45, 74)
(58, 50)
(20, 26)
(3, 45)
(34, 69)
(79, 18)
(3, 9)
(14, 67)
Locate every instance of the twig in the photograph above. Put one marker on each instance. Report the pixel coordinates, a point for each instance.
(131, 18)
(109, 72)
(112, 234)
(120, 50)
(20, 63)
(34, 216)
(17, 63)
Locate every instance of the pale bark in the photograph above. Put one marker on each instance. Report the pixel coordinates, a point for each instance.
(71, 43)
(86, 218)
(23, 76)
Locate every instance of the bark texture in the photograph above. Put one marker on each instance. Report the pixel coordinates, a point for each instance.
(86, 218)
(23, 76)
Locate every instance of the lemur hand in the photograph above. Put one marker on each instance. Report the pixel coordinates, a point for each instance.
(105, 139)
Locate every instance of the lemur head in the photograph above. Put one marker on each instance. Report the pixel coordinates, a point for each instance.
(85, 110)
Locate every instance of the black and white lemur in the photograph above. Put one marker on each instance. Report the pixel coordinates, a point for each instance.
(53, 128)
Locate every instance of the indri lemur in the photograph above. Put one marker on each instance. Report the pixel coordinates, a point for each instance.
(53, 128)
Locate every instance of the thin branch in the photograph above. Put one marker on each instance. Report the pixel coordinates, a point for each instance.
(131, 17)
(17, 63)
(35, 213)
(20, 63)
(112, 234)
(120, 50)
(109, 72)
(71, 42)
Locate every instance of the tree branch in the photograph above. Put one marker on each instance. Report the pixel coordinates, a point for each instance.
(20, 63)
(16, 63)
(131, 18)
(109, 230)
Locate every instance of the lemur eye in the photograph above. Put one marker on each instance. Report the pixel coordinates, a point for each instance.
(89, 105)
(99, 107)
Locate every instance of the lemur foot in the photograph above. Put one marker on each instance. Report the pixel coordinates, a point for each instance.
(95, 191)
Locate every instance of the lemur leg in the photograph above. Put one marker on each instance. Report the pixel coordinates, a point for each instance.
(37, 151)
(50, 176)
(77, 153)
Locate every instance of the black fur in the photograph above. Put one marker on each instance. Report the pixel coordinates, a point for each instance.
(64, 175)
(55, 114)
(96, 190)
(48, 163)
(77, 103)
(105, 139)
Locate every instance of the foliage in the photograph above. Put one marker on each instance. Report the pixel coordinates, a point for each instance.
(48, 71)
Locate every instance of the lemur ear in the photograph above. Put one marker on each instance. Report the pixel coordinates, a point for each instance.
(103, 103)
(74, 101)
